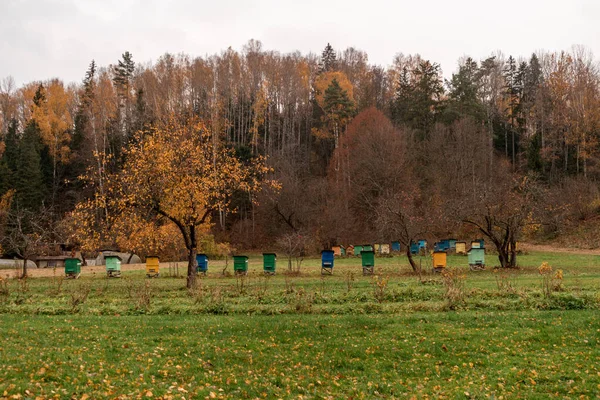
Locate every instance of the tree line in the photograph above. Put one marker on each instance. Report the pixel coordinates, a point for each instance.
(359, 151)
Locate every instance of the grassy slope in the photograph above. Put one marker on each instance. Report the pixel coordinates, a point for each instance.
(471, 354)
(326, 339)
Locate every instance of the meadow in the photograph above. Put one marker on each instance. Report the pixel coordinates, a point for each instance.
(463, 334)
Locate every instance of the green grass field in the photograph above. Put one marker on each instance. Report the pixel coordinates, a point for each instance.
(489, 334)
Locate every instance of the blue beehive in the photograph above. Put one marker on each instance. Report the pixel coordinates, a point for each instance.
(202, 261)
(444, 245)
(327, 258)
(395, 246)
(422, 245)
(414, 248)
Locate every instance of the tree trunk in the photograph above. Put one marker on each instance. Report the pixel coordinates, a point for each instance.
(24, 275)
(512, 260)
(410, 259)
(192, 267)
(502, 257)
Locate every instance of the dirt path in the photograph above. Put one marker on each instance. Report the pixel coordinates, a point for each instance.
(553, 249)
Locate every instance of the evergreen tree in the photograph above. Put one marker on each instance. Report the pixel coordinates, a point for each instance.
(10, 158)
(123, 73)
(402, 100)
(513, 78)
(46, 161)
(338, 108)
(533, 109)
(418, 99)
(328, 60)
(29, 181)
(464, 93)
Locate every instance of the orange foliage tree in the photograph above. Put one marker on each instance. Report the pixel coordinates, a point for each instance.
(176, 171)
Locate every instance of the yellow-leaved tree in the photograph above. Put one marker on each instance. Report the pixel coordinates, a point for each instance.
(178, 171)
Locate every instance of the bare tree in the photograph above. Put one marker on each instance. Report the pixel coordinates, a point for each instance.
(28, 233)
(293, 245)
(504, 207)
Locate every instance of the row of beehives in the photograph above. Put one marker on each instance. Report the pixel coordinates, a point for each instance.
(240, 263)
(420, 246)
(113, 266)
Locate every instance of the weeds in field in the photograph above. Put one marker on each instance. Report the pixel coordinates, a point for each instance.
(454, 283)
(506, 283)
(79, 296)
(57, 282)
(262, 287)
(379, 288)
(552, 281)
(129, 285)
(4, 289)
(144, 296)
(241, 282)
(303, 301)
(22, 290)
(197, 292)
(349, 278)
(289, 285)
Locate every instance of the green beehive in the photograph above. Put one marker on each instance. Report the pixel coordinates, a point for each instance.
(240, 265)
(476, 259)
(357, 250)
(113, 266)
(72, 267)
(269, 263)
(368, 262)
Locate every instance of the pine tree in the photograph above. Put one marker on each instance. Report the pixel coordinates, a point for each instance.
(464, 93)
(418, 99)
(513, 77)
(123, 73)
(402, 99)
(81, 125)
(338, 108)
(533, 110)
(123, 81)
(10, 158)
(29, 182)
(328, 60)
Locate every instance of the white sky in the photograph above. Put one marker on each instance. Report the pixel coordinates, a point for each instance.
(41, 39)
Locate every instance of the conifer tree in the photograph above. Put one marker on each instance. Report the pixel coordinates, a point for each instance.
(338, 108)
(463, 95)
(328, 61)
(10, 158)
(29, 181)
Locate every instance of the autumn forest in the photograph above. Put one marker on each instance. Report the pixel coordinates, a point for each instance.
(256, 149)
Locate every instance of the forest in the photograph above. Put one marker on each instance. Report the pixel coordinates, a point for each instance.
(255, 149)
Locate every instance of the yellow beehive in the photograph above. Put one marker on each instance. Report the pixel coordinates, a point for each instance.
(461, 248)
(152, 266)
(384, 249)
(475, 244)
(439, 259)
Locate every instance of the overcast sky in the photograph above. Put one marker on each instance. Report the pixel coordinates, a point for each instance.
(41, 39)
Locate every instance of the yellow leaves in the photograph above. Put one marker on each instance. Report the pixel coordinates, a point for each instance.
(54, 119)
(544, 268)
(324, 80)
